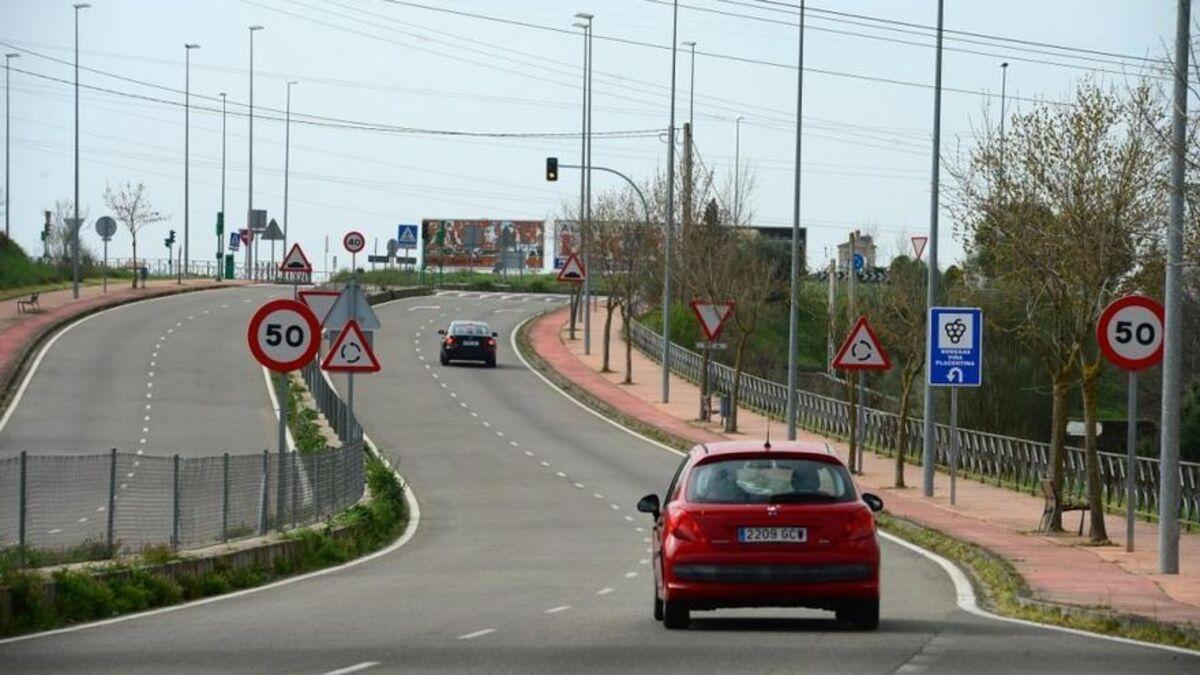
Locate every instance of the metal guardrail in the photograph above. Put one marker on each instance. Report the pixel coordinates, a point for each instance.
(1004, 459)
(121, 500)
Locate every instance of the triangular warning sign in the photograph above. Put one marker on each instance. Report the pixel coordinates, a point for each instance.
(862, 350)
(296, 261)
(351, 353)
(572, 270)
(712, 316)
(918, 244)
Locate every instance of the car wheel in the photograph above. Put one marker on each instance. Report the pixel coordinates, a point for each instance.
(491, 363)
(445, 361)
(863, 614)
(676, 615)
(658, 607)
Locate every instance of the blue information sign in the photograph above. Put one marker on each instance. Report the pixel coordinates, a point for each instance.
(955, 347)
(406, 237)
(859, 262)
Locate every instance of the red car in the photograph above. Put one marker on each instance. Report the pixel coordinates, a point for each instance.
(755, 525)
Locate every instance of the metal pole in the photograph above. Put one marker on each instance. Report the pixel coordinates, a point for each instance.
(692, 86)
(1168, 517)
(794, 304)
(283, 394)
(583, 158)
(104, 268)
(77, 224)
(587, 277)
(1131, 460)
(252, 256)
(287, 152)
(225, 498)
(175, 506)
(927, 451)
(220, 242)
(22, 503)
(670, 225)
(1003, 92)
(112, 499)
(7, 138)
(264, 512)
(829, 348)
(737, 168)
(953, 444)
(187, 139)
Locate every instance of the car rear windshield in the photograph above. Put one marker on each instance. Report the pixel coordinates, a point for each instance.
(470, 329)
(763, 480)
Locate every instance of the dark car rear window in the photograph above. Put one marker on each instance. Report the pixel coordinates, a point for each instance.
(763, 480)
(470, 329)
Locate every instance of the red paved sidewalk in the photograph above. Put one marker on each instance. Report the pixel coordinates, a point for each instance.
(20, 331)
(1057, 568)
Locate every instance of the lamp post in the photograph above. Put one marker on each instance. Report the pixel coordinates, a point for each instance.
(76, 223)
(794, 304)
(586, 176)
(220, 241)
(250, 173)
(737, 168)
(929, 439)
(287, 153)
(187, 139)
(7, 136)
(669, 229)
(1003, 88)
(692, 86)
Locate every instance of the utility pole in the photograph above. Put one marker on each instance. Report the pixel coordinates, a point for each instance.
(585, 25)
(1003, 92)
(220, 242)
(187, 164)
(931, 291)
(692, 86)
(669, 230)
(737, 168)
(287, 152)
(686, 224)
(1168, 502)
(587, 244)
(250, 173)
(829, 348)
(794, 304)
(77, 224)
(854, 378)
(7, 140)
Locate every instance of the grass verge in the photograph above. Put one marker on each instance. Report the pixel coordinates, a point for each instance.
(110, 590)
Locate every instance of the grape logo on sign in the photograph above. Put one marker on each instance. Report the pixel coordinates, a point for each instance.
(955, 330)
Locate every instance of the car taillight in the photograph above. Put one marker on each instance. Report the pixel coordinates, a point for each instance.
(450, 340)
(491, 342)
(683, 526)
(860, 525)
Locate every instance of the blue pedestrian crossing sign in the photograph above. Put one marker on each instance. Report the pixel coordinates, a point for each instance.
(407, 236)
(955, 347)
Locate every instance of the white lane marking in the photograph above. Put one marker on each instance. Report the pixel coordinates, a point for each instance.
(101, 509)
(354, 668)
(543, 463)
(604, 591)
(453, 395)
(435, 375)
(417, 342)
(597, 495)
(416, 349)
(443, 385)
(129, 475)
(474, 414)
(154, 355)
(147, 418)
(140, 451)
(142, 441)
(149, 385)
(478, 633)
(413, 309)
(191, 318)
(629, 519)
(147, 408)
(514, 444)
(151, 373)
(579, 485)
(641, 529)
(145, 430)
(420, 358)
(54, 531)
(561, 474)
(83, 519)
(487, 423)
(528, 453)
(500, 433)
(614, 507)
(149, 395)
(630, 575)
(177, 324)
(556, 610)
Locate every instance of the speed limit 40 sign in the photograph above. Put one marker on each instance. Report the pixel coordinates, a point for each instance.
(1130, 332)
(354, 241)
(284, 335)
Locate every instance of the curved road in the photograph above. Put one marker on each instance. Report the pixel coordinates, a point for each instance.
(530, 558)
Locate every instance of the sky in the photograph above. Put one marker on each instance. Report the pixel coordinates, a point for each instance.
(404, 66)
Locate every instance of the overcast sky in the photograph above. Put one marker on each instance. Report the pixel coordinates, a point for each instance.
(866, 142)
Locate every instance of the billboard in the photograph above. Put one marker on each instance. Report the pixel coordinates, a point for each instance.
(566, 233)
(479, 243)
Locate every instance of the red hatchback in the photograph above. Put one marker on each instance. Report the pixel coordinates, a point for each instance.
(750, 525)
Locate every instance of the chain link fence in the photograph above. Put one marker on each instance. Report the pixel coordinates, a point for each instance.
(1006, 460)
(125, 501)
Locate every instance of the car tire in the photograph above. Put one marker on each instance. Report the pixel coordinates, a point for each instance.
(676, 615)
(658, 607)
(863, 615)
(445, 361)
(491, 363)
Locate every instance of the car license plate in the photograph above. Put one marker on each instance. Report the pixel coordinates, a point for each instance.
(772, 535)
(470, 343)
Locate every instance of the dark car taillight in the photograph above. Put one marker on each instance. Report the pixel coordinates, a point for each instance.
(859, 525)
(683, 526)
(450, 341)
(491, 342)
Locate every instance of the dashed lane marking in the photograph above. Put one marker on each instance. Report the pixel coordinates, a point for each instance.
(556, 610)
(354, 668)
(605, 591)
(478, 633)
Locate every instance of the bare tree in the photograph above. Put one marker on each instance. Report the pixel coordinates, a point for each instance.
(752, 284)
(60, 238)
(132, 208)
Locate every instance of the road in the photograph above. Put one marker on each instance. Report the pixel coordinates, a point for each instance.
(530, 558)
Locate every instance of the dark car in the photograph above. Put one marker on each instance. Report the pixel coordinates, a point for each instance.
(749, 525)
(468, 341)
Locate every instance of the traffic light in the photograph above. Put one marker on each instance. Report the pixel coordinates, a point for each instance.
(170, 240)
(552, 169)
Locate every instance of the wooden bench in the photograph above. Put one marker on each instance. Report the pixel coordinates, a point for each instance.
(1054, 502)
(30, 305)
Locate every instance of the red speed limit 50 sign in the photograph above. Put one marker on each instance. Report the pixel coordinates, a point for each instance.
(284, 335)
(354, 241)
(1130, 332)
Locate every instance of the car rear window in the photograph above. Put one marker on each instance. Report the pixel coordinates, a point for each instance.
(470, 329)
(764, 480)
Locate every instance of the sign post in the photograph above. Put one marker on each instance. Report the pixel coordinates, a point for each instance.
(283, 335)
(106, 227)
(1130, 335)
(955, 361)
(860, 351)
(712, 317)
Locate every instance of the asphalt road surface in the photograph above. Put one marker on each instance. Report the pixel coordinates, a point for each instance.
(530, 558)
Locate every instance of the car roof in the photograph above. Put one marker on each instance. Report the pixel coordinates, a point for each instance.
(810, 449)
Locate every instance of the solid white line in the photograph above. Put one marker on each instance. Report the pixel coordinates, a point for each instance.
(962, 585)
(478, 633)
(556, 610)
(354, 668)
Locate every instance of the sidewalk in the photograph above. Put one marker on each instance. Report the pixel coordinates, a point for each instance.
(1057, 568)
(20, 331)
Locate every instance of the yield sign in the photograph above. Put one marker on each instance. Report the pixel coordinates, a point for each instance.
(712, 316)
(351, 353)
(918, 244)
(296, 261)
(320, 302)
(572, 270)
(862, 350)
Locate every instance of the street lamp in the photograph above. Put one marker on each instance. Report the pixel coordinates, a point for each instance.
(1003, 87)
(586, 176)
(670, 224)
(250, 173)
(76, 222)
(794, 305)
(220, 242)
(737, 168)
(187, 139)
(7, 136)
(929, 437)
(287, 151)
(692, 87)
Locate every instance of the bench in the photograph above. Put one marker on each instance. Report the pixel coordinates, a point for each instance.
(1054, 502)
(30, 305)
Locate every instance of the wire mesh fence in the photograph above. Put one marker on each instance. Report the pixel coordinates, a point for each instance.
(1007, 460)
(126, 501)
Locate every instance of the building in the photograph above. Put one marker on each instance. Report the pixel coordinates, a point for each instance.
(865, 247)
